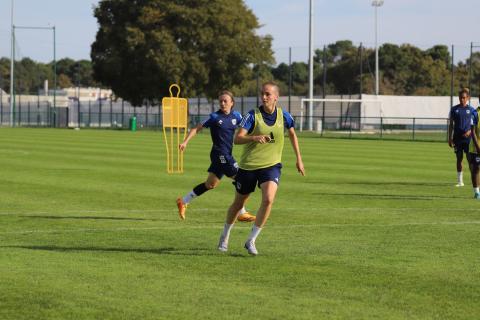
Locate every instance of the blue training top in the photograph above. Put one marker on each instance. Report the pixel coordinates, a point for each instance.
(248, 120)
(463, 119)
(222, 128)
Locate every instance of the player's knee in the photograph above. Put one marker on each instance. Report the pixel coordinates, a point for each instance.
(210, 186)
(267, 201)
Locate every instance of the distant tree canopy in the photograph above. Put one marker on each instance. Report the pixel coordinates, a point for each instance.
(404, 70)
(143, 46)
(30, 75)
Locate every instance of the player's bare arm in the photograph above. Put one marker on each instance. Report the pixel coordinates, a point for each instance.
(450, 131)
(190, 135)
(296, 148)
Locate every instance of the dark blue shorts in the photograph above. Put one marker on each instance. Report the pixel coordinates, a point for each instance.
(461, 146)
(223, 165)
(246, 180)
(474, 159)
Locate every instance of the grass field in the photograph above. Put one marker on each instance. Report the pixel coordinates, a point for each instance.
(89, 230)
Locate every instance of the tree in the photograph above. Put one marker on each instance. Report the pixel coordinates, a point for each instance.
(143, 46)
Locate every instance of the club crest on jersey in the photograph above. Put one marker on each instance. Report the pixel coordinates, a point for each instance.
(234, 122)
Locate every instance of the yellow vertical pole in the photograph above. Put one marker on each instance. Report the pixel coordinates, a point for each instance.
(175, 115)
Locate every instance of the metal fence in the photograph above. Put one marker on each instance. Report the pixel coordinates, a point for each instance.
(110, 114)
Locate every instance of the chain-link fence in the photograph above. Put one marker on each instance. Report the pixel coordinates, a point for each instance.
(335, 118)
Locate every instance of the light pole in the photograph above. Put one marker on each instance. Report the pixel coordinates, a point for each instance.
(12, 88)
(310, 72)
(12, 56)
(376, 4)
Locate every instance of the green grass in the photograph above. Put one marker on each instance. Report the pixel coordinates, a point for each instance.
(89, 230)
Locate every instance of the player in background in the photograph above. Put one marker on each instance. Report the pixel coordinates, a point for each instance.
(222, 124)
(459, 130)
(474, 156)
(262, 133)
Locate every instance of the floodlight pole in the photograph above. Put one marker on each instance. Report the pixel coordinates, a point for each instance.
(376, 4)
(54, 64)
(310, 72)
(54, 79)
(12, 55)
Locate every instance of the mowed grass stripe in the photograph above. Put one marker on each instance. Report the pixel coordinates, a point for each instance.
(89, 229)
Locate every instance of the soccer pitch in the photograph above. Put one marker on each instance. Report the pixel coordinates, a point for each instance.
(89, 230)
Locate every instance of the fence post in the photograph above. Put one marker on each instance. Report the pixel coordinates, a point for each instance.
(242, 103)
(111, 112)
(89, 113)
(413, 129)
(1, 108)
(19, 110)
(448, 124)
(350, 127)
(381, 127)
(78, 113)
(28, 114)
(38, 109)
(123, 112)
(100, 112)
(341, 112)
(146, 114)
(67, 117)
(198, 109)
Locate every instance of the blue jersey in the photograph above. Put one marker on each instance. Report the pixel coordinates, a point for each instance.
(249, 120)
(463, 118)
(222, 128)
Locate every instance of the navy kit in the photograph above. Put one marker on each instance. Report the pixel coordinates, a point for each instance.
(463, 118)
(246, 180)
(222, 129)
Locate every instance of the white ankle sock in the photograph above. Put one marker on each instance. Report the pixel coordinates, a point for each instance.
(189, 197)
(254, 234)
(476, 190)
(460, 177)
(242, 211)
(226, 230)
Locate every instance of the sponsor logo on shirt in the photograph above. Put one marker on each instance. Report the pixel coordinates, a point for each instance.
(220, 122)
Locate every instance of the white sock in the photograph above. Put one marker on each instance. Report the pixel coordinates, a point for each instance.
(226, 230)
(476, 190)
(242, 211)
(460, 177)
(189, 197)
(254, 234)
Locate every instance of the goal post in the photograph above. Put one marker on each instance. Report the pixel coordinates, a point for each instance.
(339, 114)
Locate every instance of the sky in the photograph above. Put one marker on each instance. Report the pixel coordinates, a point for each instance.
(423, 23)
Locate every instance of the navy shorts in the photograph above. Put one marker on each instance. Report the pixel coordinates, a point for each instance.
(474, 159)
(460, 147)
(223, 165)
(246, 180)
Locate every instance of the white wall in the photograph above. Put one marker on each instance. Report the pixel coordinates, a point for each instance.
(409, 107)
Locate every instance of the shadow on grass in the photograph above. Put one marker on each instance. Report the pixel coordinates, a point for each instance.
(385, 183)
(160, 251)
(85, 218)
(386, 196)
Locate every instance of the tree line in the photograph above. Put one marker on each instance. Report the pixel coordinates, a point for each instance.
(349, 69)
(210, 45)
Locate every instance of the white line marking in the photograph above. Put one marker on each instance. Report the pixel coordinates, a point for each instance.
(223, 210)
(219, 226)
